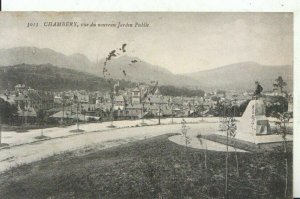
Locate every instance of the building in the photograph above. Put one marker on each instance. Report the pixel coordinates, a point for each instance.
(83, 97)
(20, 88)
(155, 100)
(119, 103)
(136, 96)
(134, 111)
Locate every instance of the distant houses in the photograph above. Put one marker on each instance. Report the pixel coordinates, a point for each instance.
(135, 103)
(29, 101)
(141, 101)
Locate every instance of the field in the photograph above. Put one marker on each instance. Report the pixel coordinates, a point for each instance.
(149, 168)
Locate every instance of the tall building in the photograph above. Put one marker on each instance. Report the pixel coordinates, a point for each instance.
(136, 96)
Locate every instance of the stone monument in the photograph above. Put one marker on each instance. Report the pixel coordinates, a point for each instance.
(253, 122)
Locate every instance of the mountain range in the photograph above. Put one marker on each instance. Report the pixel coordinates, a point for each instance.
(239, 76)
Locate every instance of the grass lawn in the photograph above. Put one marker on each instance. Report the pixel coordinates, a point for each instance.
(240, 144)
(151, 168)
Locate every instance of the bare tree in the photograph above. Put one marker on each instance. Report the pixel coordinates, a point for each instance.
(200, 139)
(77, 103)
(184, 130)
(232, 133)
(282, 130)
(230, 127)
(106, 75)
(42, 119)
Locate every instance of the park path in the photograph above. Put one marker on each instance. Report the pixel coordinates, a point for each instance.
(26, 148)
(14, 138)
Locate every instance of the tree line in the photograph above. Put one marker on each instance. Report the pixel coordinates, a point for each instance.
(175, 91)
(51, 78)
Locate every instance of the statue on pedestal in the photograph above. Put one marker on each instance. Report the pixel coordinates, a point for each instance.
(258, 90)
(254, 121)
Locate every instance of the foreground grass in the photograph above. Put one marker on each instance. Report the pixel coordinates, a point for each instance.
(152, 168)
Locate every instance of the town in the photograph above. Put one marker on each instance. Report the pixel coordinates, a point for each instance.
(142, 101)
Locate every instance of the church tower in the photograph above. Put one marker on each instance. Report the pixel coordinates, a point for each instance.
(136, 96)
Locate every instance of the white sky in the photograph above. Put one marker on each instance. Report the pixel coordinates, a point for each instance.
(180, 42)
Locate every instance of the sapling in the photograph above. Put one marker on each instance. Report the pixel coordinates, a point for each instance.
(199, 137)
(42, 119)
(226, 166)
(232, 133)
(77, 103)
(184, 130)
(282, 130)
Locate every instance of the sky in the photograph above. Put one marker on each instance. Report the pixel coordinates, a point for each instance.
(179, 42)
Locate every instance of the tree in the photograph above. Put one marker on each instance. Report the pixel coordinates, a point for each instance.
(232, 133)
(232, 130)
(184, 130)
(22, 107)
(201, 109)
(279, 84)
(7, 111)
(143, 114)
(63, 108)
(77, 103)
(106, 75)
(84, 113)
(42, 119)
(228, 124)
(200, 139)
(175, 91)
(112, 99)
(282, 130)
